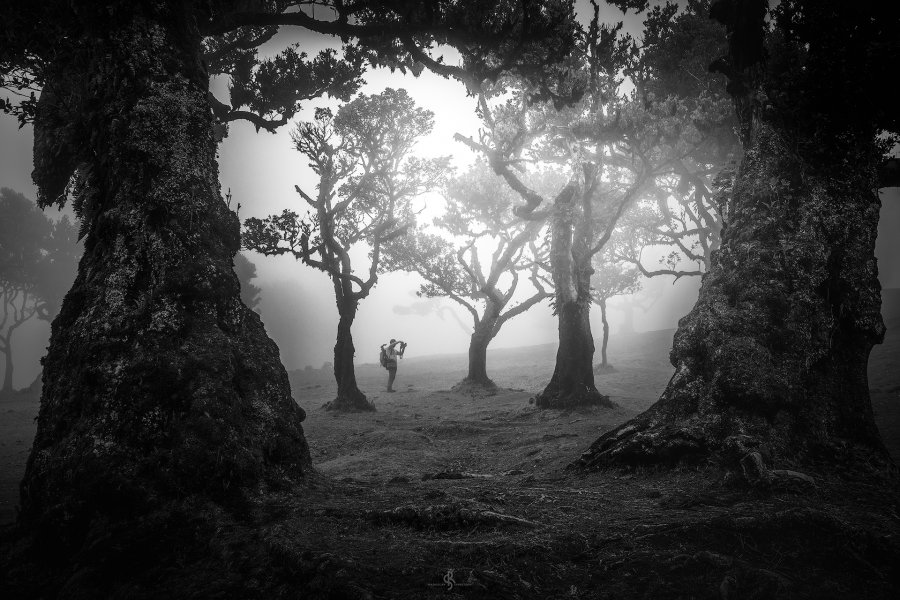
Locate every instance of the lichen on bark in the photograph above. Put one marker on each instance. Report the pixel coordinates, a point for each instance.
(772, 358)
(159, 384)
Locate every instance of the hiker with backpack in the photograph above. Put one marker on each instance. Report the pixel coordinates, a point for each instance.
(390, 353)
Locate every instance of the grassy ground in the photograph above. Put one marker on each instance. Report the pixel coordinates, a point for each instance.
(436, 482)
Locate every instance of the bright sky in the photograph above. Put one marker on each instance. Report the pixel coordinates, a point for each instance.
(298, 305)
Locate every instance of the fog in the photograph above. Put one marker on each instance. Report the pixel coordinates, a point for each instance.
(297, 303)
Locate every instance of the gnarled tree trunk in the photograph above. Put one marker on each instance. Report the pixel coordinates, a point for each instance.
(772, 358)
(478, 345)
(572, 383)
(349, 397)
(159, 384)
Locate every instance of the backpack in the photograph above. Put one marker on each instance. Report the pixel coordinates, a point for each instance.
(383, 358)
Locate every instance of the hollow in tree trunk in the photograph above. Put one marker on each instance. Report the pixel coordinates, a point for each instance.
(772, 358)
(349, 397)
(159, 384)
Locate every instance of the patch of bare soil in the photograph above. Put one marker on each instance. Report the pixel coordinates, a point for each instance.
(442, 494)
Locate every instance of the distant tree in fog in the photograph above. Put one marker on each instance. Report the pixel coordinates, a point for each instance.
(246, 272)
(680, 215)
(477, 258)
(37, 264)
(368, 179)
(611, 278)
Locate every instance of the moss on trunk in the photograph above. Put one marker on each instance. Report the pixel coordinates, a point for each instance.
(772, 358)
(159, 384)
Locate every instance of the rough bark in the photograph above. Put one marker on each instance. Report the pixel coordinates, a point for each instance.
(159, 384)
(572, 383)
(477, 376)
(478, 345)
(772, 358)
(349, 397)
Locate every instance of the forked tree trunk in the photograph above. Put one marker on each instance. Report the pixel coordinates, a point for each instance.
(477, 375)
(773, 356)
(572, 383)
(349, 397)
(159, 384)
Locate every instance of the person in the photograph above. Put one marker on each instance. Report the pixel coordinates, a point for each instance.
(395, 350)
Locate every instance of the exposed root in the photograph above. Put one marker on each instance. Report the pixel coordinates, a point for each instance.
(560, 400)
(644, 441)
(343, 404)
(475, 388)
(446, 516)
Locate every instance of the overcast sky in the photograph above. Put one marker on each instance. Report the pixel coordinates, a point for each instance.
(298, 305)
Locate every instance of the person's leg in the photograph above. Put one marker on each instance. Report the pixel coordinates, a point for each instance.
(391, 374)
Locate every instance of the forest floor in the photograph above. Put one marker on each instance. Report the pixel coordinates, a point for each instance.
(447, 495)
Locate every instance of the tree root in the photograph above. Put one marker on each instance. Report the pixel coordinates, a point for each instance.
(558, 400)
(446, 516)
(475, 388)
(341, 404)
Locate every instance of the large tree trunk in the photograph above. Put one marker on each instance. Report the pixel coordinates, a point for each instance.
(478, 345)
(159, 384)
(349, 397)
(484, 332)
(572, 383)
(772, 358)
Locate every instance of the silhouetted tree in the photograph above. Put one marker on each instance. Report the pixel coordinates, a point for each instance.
(611, 278)
(23, 235)
(159, 384)
(367, 182)
(771, 362)
(480, 221)
(37, 264)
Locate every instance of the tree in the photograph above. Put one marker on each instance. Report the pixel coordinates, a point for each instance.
(37, 260)
(246, 273)
(771, 362)
(614, 145)
(367, 183)
(23, 236)
(479, 215)
(611, 278)
(681, 210)
(162, 384)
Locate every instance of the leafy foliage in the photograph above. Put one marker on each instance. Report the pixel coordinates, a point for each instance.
(37, 264)
(367, 183)
(476, 252)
